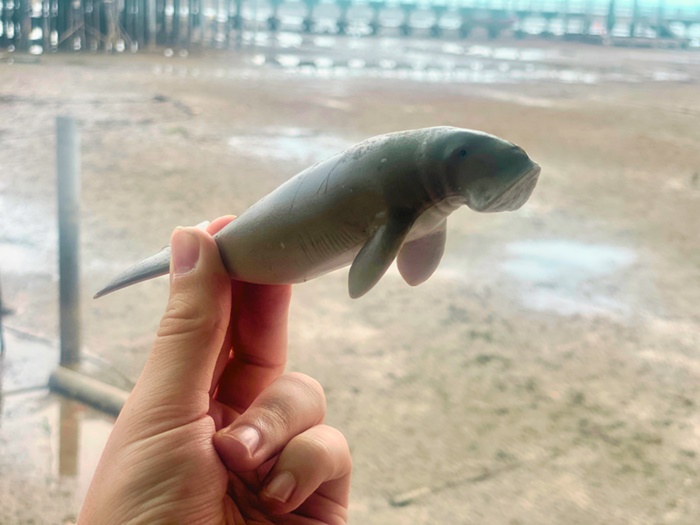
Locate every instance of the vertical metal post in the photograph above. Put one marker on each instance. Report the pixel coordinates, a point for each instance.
(190, 22)
(151, 6)
(175, 26)
(635, 19)
(660, 13)
(45, 25)
(239, 24)
(25, 25)
(94, 22)
(588, 17)
(2, 334)
(68, 169)
(610, 20)
(129, 21)
(3, 22)
(53, 23)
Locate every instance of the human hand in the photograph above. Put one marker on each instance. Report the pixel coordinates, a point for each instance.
(213, 431)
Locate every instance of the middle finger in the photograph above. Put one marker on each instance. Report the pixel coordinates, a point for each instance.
(289, 406)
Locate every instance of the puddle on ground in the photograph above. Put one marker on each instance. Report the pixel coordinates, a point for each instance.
(45, 439)
(427, 69)
(555, 261)
(289, 143)
(20, 257)
(567, 277)
(48, 441)
(422, 60)
(26, 247)
(511, 53)
(388, 57)
(27, 362)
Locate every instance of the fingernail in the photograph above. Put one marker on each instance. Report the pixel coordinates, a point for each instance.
(246, 436)
(185, 251)
(281, 487)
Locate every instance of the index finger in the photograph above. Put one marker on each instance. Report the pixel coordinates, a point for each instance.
(259, 336)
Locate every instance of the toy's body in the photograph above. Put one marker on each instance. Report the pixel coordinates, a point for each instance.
(387, 195)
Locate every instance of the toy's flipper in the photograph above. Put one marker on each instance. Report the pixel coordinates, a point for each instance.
(158, 264)
(418, 259)
(376, 255)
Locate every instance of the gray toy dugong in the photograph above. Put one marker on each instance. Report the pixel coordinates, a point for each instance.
(386, 197)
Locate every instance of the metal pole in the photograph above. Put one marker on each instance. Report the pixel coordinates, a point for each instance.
(2, 334)
(68, 169)
(25, 24)
(151, 24)
(610, 21)
(660, 12)
(88, 390)
(635, 19)
(239, 24)
(175, 26)
(3, 22)
(190, 22)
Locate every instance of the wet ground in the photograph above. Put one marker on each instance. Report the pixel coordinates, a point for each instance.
(548, 373)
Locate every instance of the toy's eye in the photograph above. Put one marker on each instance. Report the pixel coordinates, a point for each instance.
(463, 153)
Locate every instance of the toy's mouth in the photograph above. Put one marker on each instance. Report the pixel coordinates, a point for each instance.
(517, 194)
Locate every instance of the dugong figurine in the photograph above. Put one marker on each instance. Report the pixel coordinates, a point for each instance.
(386, 197)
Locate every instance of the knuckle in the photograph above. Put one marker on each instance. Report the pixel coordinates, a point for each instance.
(335, 435)
(326, 446)
(183, 316)
(316, 447)
(276, 415)
(307, 387)
(296, 403)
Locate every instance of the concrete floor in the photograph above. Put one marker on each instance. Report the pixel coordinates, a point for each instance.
(549, 371)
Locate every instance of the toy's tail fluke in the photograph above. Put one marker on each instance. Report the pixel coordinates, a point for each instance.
(154, 266)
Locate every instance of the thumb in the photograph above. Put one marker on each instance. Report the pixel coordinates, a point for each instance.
(191, 334)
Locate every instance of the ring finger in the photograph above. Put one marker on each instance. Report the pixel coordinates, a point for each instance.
(311, 476)
(290, 405)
